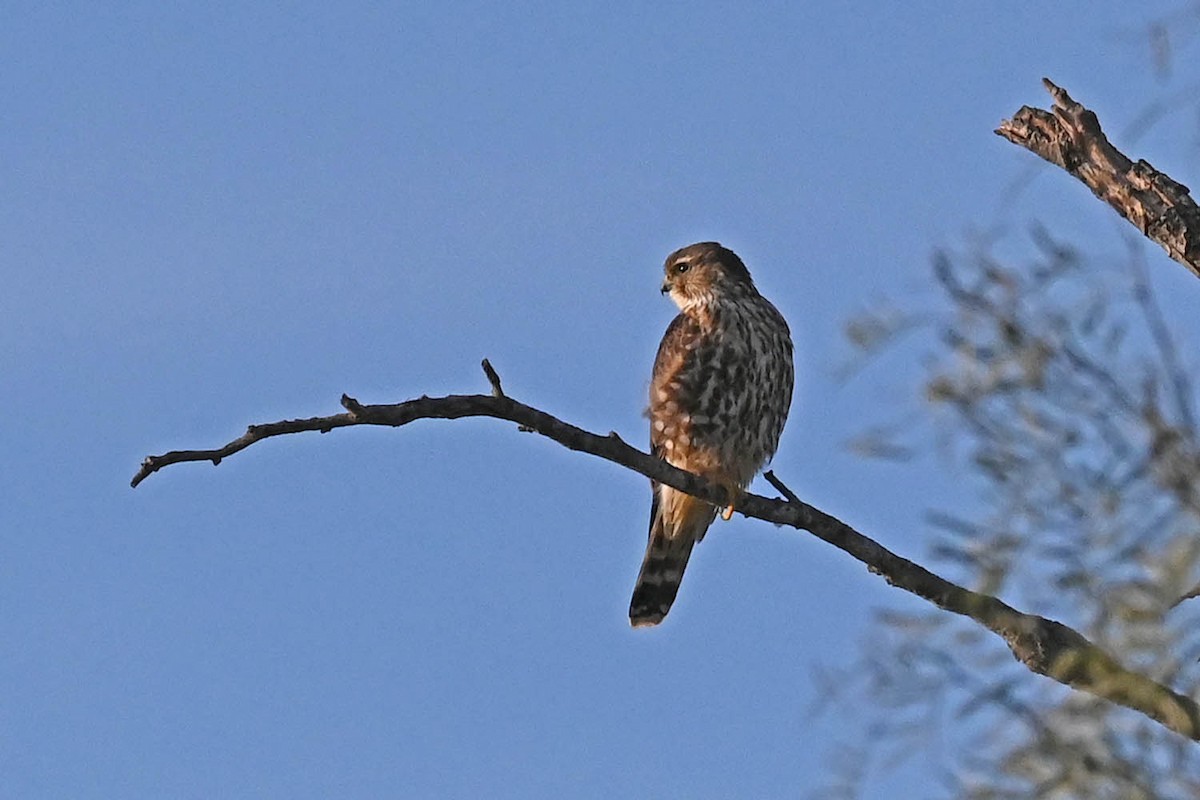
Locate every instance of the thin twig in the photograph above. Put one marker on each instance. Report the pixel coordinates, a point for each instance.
(493, 378)
(780, 487)
(497, 390)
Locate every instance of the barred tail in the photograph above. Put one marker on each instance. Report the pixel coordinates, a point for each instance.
(677, 522)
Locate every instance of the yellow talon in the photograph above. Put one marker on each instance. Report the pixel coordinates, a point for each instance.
(727, 514)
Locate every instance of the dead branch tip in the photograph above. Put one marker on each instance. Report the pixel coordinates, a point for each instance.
(493, 378)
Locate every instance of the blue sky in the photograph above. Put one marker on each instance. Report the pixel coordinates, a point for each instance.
(233, 213)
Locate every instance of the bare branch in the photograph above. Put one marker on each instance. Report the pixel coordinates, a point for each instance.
(1069, 135)
(1043, 645)
(254, 433)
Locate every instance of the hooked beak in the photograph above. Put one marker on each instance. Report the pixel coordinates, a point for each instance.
(666, 288)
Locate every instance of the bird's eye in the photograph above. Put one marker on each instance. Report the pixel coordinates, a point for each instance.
(681, 267)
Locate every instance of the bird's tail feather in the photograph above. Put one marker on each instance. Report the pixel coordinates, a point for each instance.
(679, 522)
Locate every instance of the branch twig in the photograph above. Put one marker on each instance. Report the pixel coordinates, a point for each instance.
(1043, 645)
(493, 378)
(1069, 135)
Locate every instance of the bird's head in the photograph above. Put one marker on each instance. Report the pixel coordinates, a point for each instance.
(700, 274)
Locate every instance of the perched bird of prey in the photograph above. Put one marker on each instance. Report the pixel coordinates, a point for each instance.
(719, 397)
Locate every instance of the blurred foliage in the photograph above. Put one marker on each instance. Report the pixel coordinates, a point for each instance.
(1054, 386)
(1059, 387)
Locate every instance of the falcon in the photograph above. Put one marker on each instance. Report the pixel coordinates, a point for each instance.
(719, 397)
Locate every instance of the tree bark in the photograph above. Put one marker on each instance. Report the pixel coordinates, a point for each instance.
(1069, 135)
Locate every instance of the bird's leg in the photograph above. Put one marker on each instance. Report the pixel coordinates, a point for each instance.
(731, 491)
